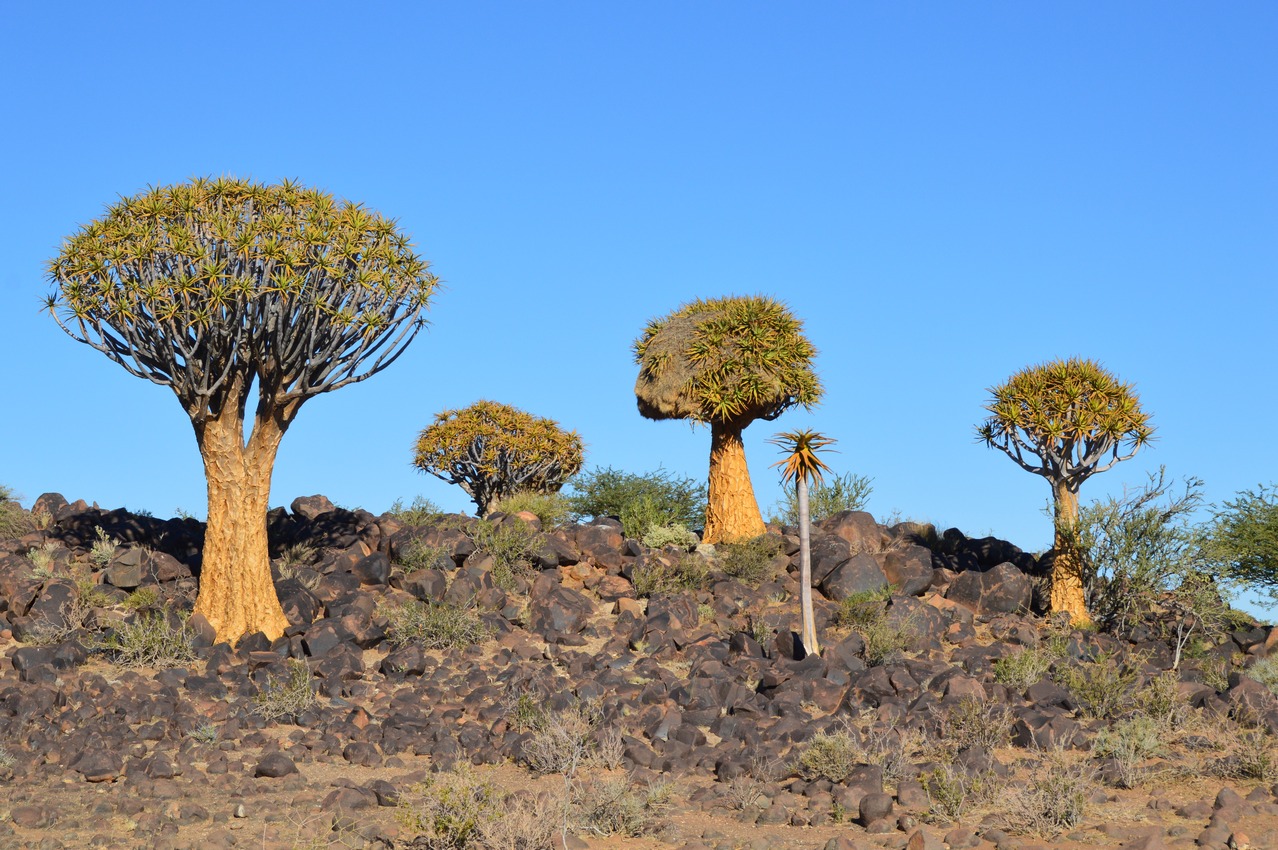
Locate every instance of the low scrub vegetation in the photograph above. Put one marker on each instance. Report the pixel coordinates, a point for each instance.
(641, 501)
(434, 625)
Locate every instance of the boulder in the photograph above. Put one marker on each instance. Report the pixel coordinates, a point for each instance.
(858, 528)
(858, 574)
(311, 507)
(1003, 589)
(909, 570)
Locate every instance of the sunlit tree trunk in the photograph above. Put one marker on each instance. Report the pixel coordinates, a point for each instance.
(1067, 564)
(732, 513)
(810, 643)
(237, 595)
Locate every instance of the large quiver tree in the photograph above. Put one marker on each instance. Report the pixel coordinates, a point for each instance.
(726, 362)
(220, 288)
(1066, 420)
(493, 451)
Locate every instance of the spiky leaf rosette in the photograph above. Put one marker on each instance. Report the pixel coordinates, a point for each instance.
(732, 359)
(1072, 416)
(493, 451)
(801, 461)
(204, 286)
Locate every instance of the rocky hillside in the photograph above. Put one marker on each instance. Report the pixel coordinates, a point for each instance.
(585, 690)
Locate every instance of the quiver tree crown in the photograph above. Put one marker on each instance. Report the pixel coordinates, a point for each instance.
(1066, 420)
(493, 451)
(724, 360)
(216, 288)
(204, 287)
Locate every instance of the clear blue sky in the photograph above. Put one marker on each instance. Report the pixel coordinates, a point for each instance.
(944, 192)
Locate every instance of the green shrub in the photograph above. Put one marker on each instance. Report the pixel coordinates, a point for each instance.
(150, 641)
(551, 508)
(103, 547)
(751, 562)
(1103, 687)
(639, 501)
(654, 575)
(862, 608)
(825, 499)
(434, 625)
(287, 697)
(493, 451)
(1129, 742)
(1243, 539)
(415, 556)
(451, 809)
(1255, 757)
(563, 742)
(1143, 553)
(1024, 667)
(457, 810)
(1265, 671)
(972, 722)
(865, 612)
(676, 534)
(619, 807)
(14, 521)
(831, 755)
(512, 545)
(1160, 700)
(1054, 799)
(42, 561)
(421, 512)
(952, 792)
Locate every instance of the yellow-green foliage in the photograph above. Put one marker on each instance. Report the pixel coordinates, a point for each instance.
(726, 359)
(189, 255)
(204, 286)
(493, 451)
(1072, 414)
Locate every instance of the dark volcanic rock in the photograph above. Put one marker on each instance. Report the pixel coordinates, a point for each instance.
(1003, 589)
(858, 574)
(274, 765)
(908, 570)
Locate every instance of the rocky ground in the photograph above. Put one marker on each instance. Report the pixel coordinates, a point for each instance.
(574, 686)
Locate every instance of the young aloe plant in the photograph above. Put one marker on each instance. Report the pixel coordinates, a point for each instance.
(1075, 419)
(801, 467)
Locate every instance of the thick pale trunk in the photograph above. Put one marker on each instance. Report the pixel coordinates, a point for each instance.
(732, 513)
(810, 643)
(237, 595)
(1067, 564)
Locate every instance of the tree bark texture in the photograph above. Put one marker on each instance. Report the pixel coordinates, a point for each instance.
(732, 513)
(237, 594)
(1067, 563)
(810, 643)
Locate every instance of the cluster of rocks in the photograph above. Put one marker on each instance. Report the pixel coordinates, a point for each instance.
(703, 685)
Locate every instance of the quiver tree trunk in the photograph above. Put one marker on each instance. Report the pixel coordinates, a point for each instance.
(237, 594)
(1067, 558)
(732, 513)
(810, 643)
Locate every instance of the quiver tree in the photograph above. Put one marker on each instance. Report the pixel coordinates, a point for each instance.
(726, 362)
(219, 289)
(800, 468)
(1066, 420)
(493, 451)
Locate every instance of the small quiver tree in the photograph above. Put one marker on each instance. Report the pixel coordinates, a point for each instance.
(221, 288)
(1066, 420)
(801, 467)
(493, 451)
(726, 362)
